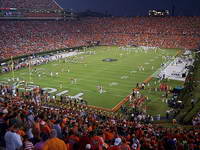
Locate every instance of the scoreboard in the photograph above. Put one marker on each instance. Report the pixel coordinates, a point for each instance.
(159, 13)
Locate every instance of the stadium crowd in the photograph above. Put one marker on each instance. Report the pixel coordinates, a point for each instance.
(32, 125)
(28, 37)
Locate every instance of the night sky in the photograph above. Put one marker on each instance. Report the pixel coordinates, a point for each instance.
(132, 7)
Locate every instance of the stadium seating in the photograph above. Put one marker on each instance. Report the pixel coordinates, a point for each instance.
(80, 129)
(28, 37)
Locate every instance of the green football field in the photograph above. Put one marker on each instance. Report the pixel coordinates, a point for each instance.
(117, 77)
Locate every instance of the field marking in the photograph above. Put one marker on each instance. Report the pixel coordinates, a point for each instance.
(124, 77)
(92, 91)
(113, 84)
(133, 71)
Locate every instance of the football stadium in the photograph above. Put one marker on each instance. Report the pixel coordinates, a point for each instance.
(75, 82)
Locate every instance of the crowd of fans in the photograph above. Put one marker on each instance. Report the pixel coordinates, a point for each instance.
(27, 37)
(30, 4)
(33, 125)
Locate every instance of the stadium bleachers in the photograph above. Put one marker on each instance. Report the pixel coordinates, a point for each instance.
(27, 37)
(80, 129)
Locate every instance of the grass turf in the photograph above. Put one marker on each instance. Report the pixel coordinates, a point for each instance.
(155, 105)
(117, 77)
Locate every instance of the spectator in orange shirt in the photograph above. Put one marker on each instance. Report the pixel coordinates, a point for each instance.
(124, 145)
(96, 141)
(54, 143)
(73, 140)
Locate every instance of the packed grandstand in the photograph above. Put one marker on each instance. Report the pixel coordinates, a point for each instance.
(27, 125)
(37, 36)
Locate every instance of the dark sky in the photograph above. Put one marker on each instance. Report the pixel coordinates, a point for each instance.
(132, 7)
